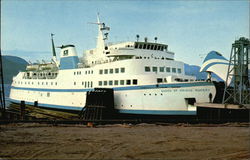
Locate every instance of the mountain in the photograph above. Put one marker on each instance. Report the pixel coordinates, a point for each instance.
(11, 66)
(32, 56)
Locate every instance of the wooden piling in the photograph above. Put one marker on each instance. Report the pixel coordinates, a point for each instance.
(22, 110)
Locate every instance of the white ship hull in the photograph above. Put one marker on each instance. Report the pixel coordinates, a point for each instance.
(163, 99)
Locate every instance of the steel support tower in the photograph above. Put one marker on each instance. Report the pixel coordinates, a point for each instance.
(238, 91)
(2, 95)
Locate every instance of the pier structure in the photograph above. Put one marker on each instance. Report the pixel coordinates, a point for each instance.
(2, 95)
(235, 106)
(238, 91)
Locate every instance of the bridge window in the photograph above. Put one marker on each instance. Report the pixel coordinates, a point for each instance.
(152, 47)
(155, 47)
(174, 70)
(136, 45)
(140, 46)
(168, 69)
(161, 48)
(148, 47)
(165, 48)
(144, 46)
(147, 69)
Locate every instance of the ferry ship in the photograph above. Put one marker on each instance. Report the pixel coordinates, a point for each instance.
(144, 76)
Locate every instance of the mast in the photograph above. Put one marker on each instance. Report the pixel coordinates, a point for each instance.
(102, 35)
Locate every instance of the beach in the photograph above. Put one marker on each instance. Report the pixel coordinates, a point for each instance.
(125, 141)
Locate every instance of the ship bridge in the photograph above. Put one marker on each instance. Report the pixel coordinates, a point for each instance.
(139, 50)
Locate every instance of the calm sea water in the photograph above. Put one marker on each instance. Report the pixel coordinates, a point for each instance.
(7, 94)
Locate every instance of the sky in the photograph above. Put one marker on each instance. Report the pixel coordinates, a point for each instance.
(191, 28)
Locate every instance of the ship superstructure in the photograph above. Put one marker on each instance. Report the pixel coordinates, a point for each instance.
(144, 76)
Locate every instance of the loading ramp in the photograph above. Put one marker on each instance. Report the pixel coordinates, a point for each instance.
(99, 105)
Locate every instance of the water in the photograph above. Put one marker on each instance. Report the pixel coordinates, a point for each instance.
(7, 94)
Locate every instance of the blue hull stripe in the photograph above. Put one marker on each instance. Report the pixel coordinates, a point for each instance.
(158, 112)
(176, 85)
(152, 112)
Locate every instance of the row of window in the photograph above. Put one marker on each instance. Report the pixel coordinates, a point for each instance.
(38, 83)
(85, 84)
(162, 58)
(162, 69)
(88, 84)
(118, 82)
(86, 72)
(111, 71)
(151, 46)
(40, 75)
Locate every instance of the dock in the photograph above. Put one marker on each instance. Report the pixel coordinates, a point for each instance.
(223, 112)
